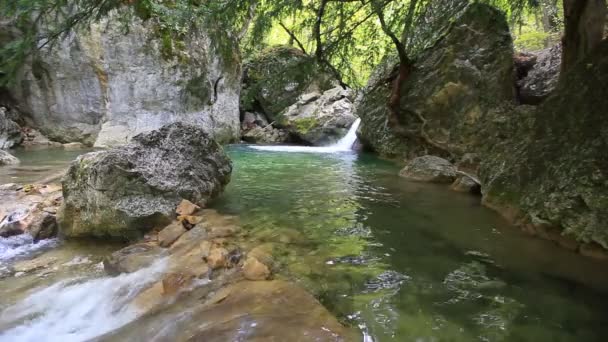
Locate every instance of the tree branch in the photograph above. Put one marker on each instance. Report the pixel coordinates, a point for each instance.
(293, 36)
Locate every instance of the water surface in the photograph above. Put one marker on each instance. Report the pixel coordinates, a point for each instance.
(408, 261)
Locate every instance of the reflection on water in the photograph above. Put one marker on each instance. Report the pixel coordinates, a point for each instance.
(37, 165)
(410, 261)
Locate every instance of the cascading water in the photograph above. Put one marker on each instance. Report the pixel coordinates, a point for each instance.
(344, 145)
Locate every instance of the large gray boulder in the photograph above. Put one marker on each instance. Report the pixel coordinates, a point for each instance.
(127, 190)
(103, 86)
(10, 132)
(320, 118)
(448, 96)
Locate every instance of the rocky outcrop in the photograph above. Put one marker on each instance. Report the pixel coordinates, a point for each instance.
(10, 132)
(547, 166)
(102, 87)
(538, 74)
(7, 159)
(29, 210)
(288, 97)
(320, 119)
(127, 190)
(451, 92)
(277, 77)
(256, 129)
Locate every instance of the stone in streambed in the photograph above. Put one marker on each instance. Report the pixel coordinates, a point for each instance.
(429, 169)
(132, 258)
(126, 191)
(186, 208)
(171, 233)
(218, 258)
(466, 184)
(253, 269)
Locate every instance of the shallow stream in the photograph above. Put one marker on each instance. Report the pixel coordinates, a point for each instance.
(400, 261)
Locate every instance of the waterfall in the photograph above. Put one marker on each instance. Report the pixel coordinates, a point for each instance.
(343, 145)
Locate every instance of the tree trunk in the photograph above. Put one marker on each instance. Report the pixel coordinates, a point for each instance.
(584, 29)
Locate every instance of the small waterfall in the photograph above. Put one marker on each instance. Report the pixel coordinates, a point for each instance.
(346, 143)
(343, 145)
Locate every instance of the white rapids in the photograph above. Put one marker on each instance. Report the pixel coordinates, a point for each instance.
(76, 310)
(344, 145)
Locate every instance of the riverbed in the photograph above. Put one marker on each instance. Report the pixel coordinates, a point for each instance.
(396, 260)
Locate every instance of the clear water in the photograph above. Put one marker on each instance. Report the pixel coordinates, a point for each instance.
(407, 261)
(38, 165)
(400, 261)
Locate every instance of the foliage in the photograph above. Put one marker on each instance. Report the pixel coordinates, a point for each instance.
(346, 36)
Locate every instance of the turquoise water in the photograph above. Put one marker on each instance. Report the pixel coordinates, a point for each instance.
(405, 261)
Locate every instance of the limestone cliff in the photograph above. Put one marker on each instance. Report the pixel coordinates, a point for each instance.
(105, 85)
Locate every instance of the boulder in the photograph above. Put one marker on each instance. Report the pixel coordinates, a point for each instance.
(541, 76)
(547, 165)
(320, 119)
(466, 183)
(125, 191)
(429, 169)
(454, 86)
(10, 132)
(277, 77)
(102, 85)
(7, 159)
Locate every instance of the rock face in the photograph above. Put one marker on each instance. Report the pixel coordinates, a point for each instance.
(7, 158)
(548, 166)
(320, 119)
(124, 191)
(429, 169)
(276, 78)
(103, 87)
(539, 77)
(10, 132)
(287, 97)
(453, 87)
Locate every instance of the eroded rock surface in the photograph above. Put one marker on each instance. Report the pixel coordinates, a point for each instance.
(125, 191)
(103, 86)
(10, 132)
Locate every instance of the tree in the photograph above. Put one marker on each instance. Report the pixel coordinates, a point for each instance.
(584, 29)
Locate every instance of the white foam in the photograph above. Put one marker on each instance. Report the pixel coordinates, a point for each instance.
(344, 145)
(21, 245)
(77, 311)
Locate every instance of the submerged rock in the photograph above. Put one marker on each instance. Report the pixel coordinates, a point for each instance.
(7, 159)
(429, 169)
(125, 191)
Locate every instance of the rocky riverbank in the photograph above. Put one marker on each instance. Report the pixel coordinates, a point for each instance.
(540, 167)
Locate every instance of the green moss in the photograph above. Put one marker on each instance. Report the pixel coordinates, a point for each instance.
(304, 125)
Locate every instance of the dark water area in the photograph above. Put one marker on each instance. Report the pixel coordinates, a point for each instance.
(405, 261)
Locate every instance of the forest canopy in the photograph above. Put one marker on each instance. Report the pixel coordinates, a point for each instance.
(348, 37)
